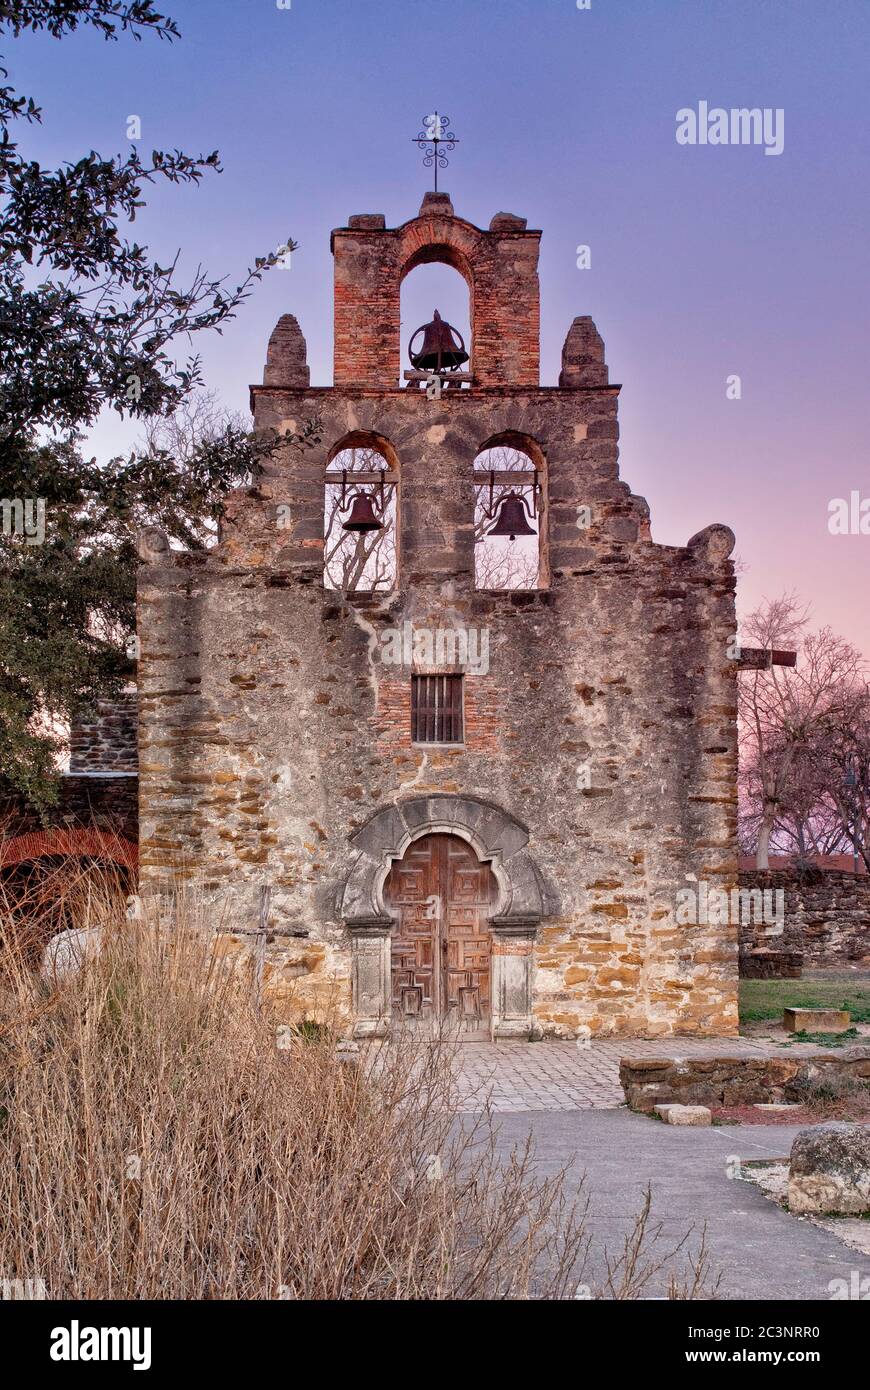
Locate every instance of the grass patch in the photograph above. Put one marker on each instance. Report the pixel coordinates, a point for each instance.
(824, 1039)
(764, 1000)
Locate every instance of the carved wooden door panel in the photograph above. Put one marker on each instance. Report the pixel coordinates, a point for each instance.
(469, 900)
(443, 897)
(411, 893)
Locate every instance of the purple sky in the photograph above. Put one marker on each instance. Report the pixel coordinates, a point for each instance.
(706, 261)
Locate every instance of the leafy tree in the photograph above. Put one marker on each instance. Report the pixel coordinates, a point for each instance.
(87, 321)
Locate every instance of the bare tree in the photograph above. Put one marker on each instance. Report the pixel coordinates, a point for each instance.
(199, 419)
(784, 715)
(194, 436)
(841, 765)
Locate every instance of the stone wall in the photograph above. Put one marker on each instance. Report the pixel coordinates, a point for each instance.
(602, 733)
(105, 803)
(104, 739)
(271, 734)
(727, 1081)
(97, 807)
(826, 919)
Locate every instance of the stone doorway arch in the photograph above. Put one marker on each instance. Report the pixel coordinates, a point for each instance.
(499, 840)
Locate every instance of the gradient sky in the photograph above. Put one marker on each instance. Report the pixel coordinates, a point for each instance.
(706, 261)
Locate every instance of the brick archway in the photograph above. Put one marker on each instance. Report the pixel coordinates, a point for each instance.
(60, 843)
(447, 241)
(498, 264)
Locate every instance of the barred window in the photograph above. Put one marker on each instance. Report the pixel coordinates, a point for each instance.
(436, 709)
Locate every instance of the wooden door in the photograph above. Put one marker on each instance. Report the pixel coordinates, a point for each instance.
(443, 897)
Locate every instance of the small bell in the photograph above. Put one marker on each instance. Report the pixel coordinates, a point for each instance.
(440, 350)
(362, 515)
(511, 520)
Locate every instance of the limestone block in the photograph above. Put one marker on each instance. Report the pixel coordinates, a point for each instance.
(66, 952)
(816, 1020)
(829, 1170)
(695, 1115)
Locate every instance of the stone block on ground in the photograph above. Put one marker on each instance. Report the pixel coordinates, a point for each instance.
(829, 1170)
(816, 1020)
(684, 1114)
(66, 952)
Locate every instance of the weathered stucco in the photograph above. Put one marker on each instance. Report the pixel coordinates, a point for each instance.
(271, 733)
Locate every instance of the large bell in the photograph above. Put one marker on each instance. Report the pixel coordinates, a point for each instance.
(512, 519)
(443, 347)
(362, 515)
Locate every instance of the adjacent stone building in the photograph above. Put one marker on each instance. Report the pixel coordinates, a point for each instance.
(826, 920)
(93, 821)
(498, 842)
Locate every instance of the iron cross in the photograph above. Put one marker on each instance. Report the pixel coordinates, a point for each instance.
(435, 133)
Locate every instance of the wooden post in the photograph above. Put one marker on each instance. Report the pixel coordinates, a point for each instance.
(262, 930)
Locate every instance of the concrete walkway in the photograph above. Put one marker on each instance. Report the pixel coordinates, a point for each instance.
(761, 1251)
(580, 1075)
(568, 1096)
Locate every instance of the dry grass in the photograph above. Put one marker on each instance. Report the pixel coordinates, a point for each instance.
(842, 1097)
(39, 900)
(155, 1143)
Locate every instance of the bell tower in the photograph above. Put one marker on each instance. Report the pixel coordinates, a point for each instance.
(500, 267)
(473, 792)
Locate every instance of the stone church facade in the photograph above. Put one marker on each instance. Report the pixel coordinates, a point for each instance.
(520, 875)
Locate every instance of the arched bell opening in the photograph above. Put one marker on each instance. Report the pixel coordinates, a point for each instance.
(510, 540)
(361, 515)
(435, 318)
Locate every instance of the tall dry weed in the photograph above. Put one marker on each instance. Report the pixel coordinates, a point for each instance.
(156, 1143)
